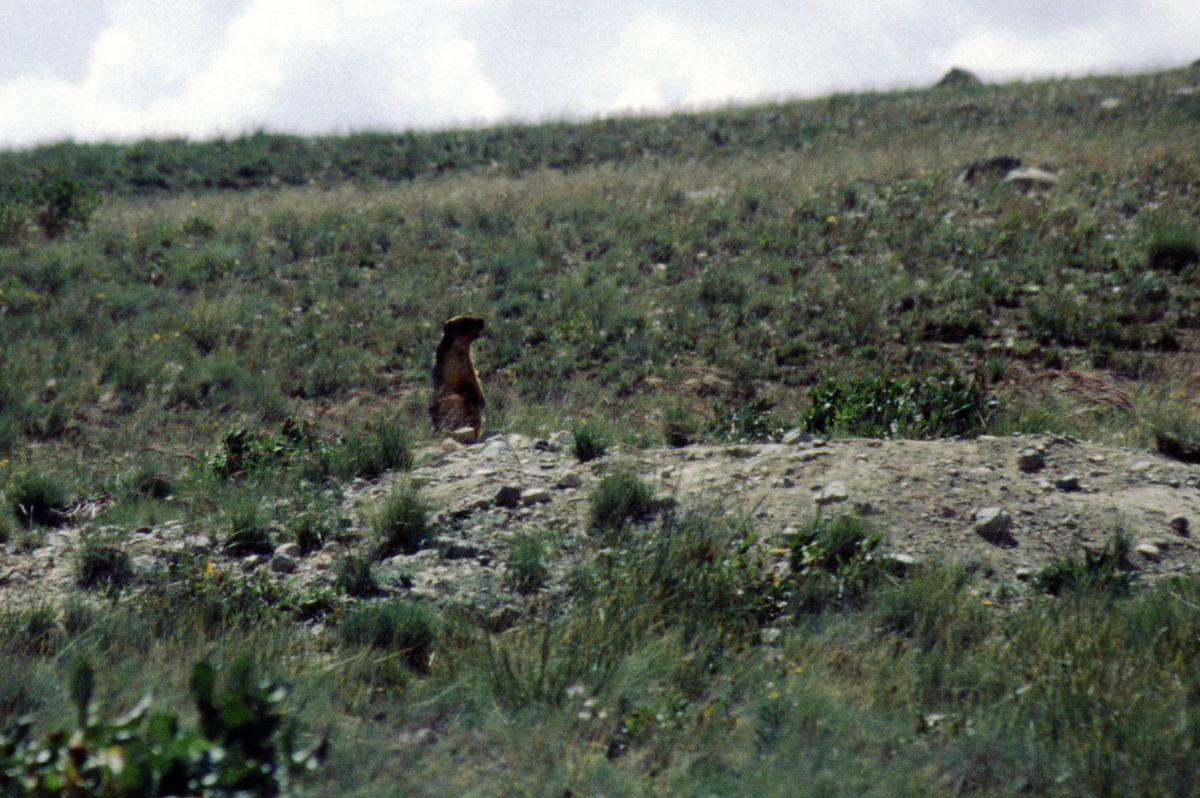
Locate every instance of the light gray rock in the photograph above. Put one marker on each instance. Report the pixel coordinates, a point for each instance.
(496, 447)
(994, 525)
(794, 436)
(287, 550)
(1149, 550)
(463, 435)
(569, 480)
(832, 493)
(535, 496)
(1031, 177)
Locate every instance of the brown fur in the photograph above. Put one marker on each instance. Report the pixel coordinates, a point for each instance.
(457, 395)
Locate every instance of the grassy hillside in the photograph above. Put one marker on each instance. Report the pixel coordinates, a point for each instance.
(223, 335)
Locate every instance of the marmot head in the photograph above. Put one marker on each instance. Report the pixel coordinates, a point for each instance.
(463, 326)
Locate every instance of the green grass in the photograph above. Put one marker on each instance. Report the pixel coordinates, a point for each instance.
(402, 524)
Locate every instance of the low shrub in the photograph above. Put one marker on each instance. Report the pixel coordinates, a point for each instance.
(835, 562)
(103, 565)
(354, 575)
(899, 407)
(1103, 571)
(248, 532)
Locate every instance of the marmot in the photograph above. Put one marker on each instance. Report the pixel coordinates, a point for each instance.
(457, 395)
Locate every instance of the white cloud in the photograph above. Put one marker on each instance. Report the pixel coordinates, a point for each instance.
(300, 65)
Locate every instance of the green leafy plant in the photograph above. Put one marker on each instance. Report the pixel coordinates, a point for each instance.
(354, 574)
(244, 745)
(747, 419)
(248, 532)
(526, 561)
(835, 561)
(1104, 571)
(931, 406)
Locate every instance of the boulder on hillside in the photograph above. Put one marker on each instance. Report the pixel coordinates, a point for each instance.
(958, 77)
(997, 167)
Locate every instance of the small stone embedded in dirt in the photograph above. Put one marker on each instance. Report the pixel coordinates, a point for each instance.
(1180, 525)
(1031, 460)
(569, 480)
(463, 435)
(1140, 467)
(1069, 483)
(496, 447)
(287, 550)
(508, 496)
(1148, 550)
(832, 493)
(993, 524)
(535, 496)
(283, 564)
(251, 562)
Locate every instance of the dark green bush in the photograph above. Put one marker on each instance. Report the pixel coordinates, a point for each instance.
(248, 532)
(62, 201)
(933, 406)
(383, 446)
(527, 567)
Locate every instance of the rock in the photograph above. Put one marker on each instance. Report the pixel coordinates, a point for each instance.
(903, 563)
(794, 436)
(1180, 525)
(1031, 177)
(569, 480)
(832, 493)
(1140, 467)
(1031, 460)
(958, 77)
(252, 561)
(1110, 103)
(998, 166)
(1068, 483)
(287, 550)
(283, 564)
(1023, 574)
(464, 435)
(535, 496)
(496, 447)
(993, 524)
(508, 496)
(1148, 550)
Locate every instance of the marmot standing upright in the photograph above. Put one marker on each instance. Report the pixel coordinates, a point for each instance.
(457, 395)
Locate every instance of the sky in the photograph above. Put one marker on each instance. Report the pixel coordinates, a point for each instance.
(119, 70)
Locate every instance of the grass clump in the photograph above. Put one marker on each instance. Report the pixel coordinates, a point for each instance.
(383, 446)
(394, 625)
(249, 532)
(1100, 571)
(37, 499)
(620, 499)
(590, 441)
(931, 406)
(102, 565)
(354, 575)
(1173, 249)
(526, 562)
(402, 524)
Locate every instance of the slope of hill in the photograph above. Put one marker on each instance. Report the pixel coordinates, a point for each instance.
(809, 345)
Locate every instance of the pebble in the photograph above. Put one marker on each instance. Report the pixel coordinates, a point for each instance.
(1140, 467)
